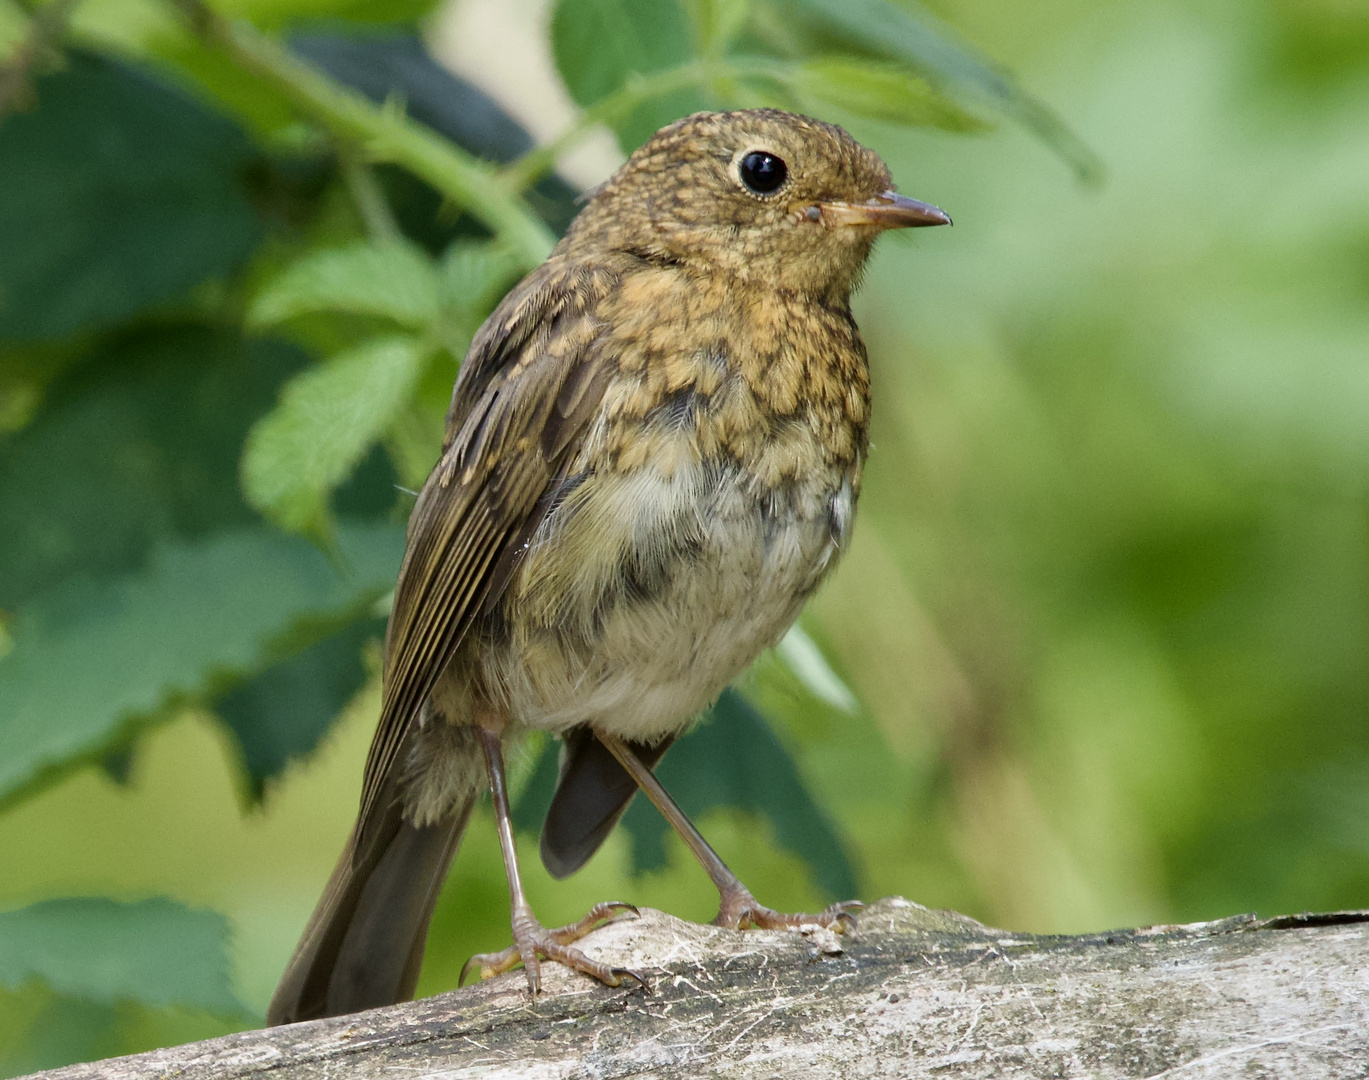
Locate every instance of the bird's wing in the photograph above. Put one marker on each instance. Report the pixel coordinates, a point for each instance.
(530, 383)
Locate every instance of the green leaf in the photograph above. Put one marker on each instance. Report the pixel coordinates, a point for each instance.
(95, 657)
(14, 29)
(282, 713)
(891, 31)
(600, 45)
(875, 90)
(802, 656)
(475, 276)
(155, 952)
(139, 445)
(140, 442)
(717, 23)
(40, 1029)
(283, 13)
(119, 194)
(328, 417)
(393, 281)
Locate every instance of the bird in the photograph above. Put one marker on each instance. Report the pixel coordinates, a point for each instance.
(651, 460)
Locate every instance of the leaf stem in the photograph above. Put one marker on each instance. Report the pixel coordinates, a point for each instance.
(366, 193)
(384, 133)
(530, 168)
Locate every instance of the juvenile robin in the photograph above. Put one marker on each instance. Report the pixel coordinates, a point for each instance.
(652, 459)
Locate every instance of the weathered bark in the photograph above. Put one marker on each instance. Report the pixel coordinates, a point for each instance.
(913, 993)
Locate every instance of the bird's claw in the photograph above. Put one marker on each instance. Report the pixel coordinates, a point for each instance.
(843, 922)
(739, 910)
(635, 976)
(533, 942)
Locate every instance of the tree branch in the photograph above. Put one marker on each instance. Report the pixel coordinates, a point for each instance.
(385, 133)
(913, 993)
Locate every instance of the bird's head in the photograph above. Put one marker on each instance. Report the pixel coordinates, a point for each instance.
(755, 194)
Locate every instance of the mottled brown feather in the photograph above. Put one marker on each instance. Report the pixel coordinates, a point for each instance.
(517, 411)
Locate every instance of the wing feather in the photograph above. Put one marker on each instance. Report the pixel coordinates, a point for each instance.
(531, 382)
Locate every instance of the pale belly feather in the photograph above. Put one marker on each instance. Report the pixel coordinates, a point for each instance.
(643, 594)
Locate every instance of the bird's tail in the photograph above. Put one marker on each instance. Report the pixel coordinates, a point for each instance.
(592, 793)
(363, 946)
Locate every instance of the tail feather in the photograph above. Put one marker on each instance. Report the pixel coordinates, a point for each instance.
(592, 793)
(363, 946)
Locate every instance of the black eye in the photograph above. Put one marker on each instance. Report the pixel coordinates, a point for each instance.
(763, 172)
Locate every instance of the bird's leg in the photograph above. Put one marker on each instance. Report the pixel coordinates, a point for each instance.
(737, 908)
(531, 940)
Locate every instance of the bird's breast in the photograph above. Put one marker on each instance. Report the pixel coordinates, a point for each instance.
(693, 524)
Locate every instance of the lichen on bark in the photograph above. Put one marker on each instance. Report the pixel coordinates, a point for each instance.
(912, 993)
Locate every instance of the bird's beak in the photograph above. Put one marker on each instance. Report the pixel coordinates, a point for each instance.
(887, 210)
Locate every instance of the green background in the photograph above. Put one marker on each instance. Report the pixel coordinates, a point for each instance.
(1106, 612)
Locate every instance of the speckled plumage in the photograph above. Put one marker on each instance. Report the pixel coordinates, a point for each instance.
(701, 505)
(652, 459)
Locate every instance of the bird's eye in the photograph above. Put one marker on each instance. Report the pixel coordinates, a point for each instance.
(763, 172)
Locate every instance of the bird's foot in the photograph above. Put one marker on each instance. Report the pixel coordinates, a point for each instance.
(532, 942)
(739, 910)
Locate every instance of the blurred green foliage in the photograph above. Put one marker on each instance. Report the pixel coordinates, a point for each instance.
(111, 160)
(1099, 647)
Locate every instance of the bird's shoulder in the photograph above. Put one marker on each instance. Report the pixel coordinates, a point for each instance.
(545, 325)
